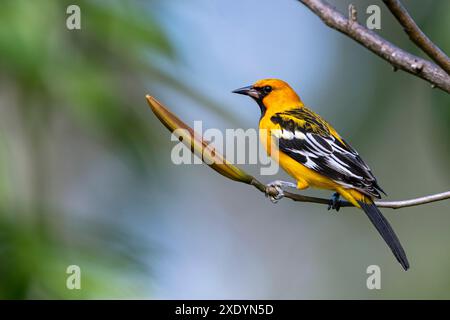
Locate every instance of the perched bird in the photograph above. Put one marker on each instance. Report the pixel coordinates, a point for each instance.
(311, 151)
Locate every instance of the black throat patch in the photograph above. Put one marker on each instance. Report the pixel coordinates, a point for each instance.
(261, 105)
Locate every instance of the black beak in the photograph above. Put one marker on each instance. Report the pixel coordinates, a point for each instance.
(248, 91)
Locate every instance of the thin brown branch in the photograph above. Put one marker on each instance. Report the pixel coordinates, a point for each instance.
(397, 57)
(382, 204)
(414, 202)
(416, 34)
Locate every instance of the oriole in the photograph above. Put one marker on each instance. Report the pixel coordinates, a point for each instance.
(311, 151)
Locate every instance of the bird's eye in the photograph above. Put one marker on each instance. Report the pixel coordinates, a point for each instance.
(267, 89)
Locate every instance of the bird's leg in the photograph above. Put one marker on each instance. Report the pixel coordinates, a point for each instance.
(335, 203)
(278, 185)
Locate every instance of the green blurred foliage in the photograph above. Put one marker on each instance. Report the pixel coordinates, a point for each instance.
(94, 79)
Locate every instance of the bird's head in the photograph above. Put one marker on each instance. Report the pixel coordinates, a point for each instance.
(271, 94)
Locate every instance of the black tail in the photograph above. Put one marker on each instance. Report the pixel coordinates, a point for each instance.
(385, 229)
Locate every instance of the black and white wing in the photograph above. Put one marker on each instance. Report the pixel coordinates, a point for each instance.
(307, 138)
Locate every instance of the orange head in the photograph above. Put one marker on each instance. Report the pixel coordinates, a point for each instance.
(272, 94)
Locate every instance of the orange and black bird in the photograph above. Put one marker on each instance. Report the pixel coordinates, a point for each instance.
(310, 150)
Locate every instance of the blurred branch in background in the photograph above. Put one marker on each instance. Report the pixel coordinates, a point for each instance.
(416, 35)
(398, 58)
(219, 163)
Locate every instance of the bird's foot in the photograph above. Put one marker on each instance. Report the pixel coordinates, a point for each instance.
(335, 203)
(278, 186)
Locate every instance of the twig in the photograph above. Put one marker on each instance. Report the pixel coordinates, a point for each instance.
(397, 57)
(417, 35)
(382, 204)
(414, 202)
(218, 163)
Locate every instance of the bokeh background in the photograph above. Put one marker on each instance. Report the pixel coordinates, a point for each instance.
(85, 170)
